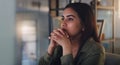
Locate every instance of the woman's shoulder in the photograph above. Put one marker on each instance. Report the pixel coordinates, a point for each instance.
(93, 46)
(96, 45)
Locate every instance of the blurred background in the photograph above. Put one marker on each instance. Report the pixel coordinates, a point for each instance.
(26, 24)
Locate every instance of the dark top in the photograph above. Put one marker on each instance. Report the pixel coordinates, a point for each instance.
(92, 53)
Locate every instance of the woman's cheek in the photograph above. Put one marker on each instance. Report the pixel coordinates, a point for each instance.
(74, 31)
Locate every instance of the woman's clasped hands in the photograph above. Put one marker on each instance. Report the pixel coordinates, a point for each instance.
(62, 38)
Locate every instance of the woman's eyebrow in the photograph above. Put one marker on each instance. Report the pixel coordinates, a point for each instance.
(70, 16)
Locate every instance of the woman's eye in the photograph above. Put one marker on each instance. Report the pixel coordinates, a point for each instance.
(67, 19)
(70, 19)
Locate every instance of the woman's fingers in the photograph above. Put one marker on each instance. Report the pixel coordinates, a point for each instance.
(58, 34)
(61, 31)
(64, 32)
(49, 37)
(67, 35)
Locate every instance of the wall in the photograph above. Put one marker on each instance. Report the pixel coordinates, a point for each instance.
(7, 32)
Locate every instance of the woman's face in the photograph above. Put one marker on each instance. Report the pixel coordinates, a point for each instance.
(71, 22)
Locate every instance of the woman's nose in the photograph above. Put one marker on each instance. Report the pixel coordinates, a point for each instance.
(63, 24)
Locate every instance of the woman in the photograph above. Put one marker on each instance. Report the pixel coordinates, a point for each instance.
(76, 42)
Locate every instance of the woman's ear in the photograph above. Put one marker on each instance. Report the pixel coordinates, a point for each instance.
(83, 29)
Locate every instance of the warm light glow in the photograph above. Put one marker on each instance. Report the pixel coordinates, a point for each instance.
(25, 29)
(28, 31)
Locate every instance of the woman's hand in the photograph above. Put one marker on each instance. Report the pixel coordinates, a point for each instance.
(62, 38)
(51, 46)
